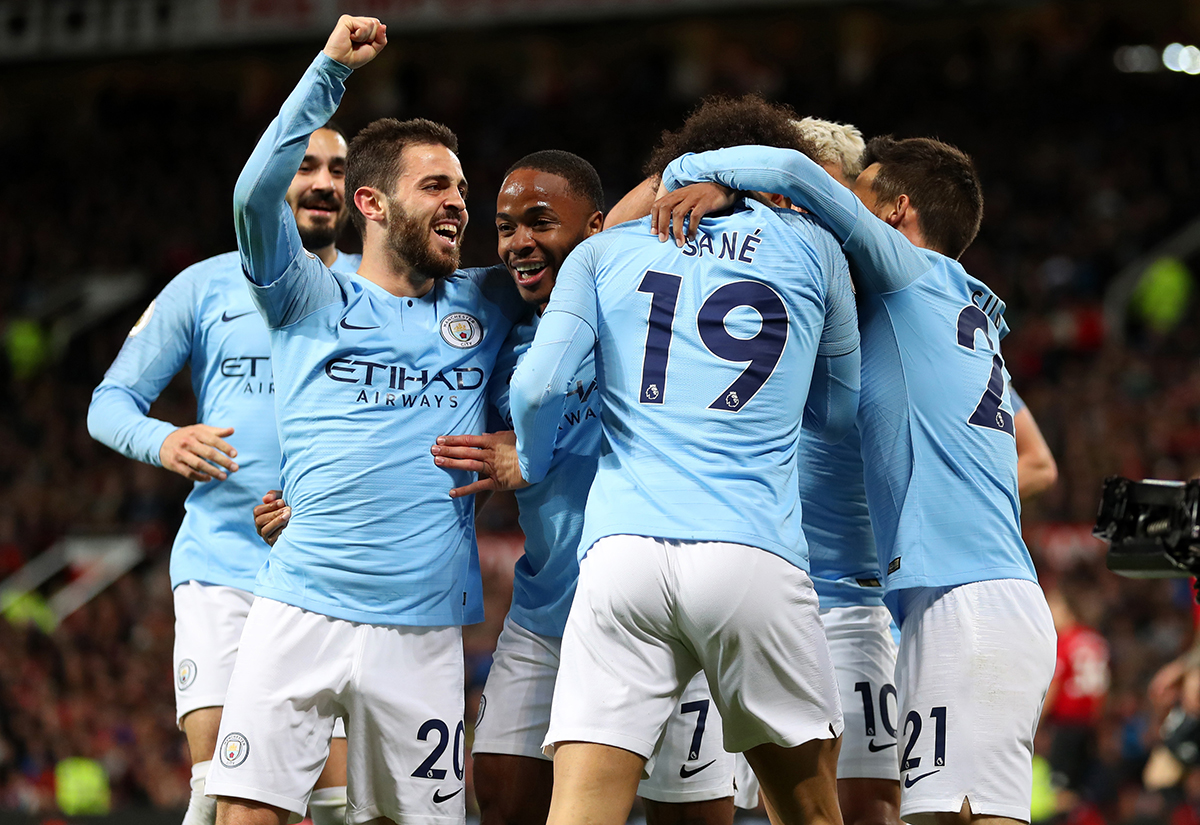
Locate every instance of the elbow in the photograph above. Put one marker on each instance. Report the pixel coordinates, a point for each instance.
(1034, 478)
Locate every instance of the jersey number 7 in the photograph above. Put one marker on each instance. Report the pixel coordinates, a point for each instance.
(763, 350)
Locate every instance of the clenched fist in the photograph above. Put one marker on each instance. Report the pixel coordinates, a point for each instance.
(356, 40)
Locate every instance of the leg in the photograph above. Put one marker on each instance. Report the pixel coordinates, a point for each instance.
(200, 726)
(708, 812)
(800, 783)
(513, 779)
(232, 811)
(513, 790)
(869, 801)
(593, 784)
(327, 805)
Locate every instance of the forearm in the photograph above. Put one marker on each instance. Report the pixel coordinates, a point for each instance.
(117, 419)
(266, 230)
(832, 404)
(884, 260)
(538, 390)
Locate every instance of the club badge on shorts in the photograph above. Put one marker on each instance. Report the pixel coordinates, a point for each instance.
(186, 674)
(482, 708)
(461, 330)
(234, 750)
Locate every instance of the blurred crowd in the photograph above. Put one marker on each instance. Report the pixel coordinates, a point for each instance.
(123, 169)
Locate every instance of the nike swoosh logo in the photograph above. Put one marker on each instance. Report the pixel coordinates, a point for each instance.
(438, 799)
(873, 748)
(910, 781)
(225, 316)
(344, 325)
(684, 773)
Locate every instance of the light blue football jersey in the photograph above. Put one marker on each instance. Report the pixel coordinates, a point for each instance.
(365, 382)
(837, 524)
(203, 318)
(1018, 403)
(551, 511)
(704, 358)
(936, 423)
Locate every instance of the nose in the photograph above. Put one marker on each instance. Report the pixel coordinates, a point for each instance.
(522, 239)
(454, 200)
(323, 179)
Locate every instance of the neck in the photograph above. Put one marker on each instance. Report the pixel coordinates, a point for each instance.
(386, 269)
(327, 254)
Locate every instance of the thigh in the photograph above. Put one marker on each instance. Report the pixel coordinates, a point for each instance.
(292, 668)
(864, 660)
(752, 619)
(623, 667)
(692, 764)
(514, 711)
(406, 742)
(208, 627)
(974, 664)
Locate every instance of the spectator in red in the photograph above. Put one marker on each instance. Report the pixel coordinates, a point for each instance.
(1077, 693)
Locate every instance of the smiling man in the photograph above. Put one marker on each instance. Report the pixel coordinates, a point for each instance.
(378, 569)
(205, 318)
(549, 203)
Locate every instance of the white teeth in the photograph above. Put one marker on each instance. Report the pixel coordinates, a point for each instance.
(526, 269)
(449, 230)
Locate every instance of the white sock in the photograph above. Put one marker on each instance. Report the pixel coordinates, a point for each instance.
(201, 810)
(327, 806)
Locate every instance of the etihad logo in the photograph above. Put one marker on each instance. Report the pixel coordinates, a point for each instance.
(396, 377)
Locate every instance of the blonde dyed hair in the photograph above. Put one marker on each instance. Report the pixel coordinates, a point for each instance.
(839, 144)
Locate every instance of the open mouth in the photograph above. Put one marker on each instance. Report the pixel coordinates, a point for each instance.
(448, 232)
(529, 274)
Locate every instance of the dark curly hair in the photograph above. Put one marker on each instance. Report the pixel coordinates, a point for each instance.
(720, 122)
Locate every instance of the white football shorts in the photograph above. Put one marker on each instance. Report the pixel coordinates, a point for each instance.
(864, 659)
(208, 629)
(400, 690)
(514, 715)
(973, 668)
(650, 613)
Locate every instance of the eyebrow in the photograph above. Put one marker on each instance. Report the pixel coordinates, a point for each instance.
(315, 159)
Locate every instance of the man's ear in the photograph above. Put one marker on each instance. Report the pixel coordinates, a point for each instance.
(781, 201)
(595, 223)
(371, 203)
(899, 210)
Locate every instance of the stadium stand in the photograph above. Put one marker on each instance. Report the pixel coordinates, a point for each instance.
(125, 166)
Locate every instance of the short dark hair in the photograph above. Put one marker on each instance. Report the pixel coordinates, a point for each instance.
(941, 182)
(375, 156)
(719, 122)
(581, 177)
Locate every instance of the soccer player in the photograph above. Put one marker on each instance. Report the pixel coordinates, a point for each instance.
(694, 555)
(205, 317)
(941, 465)
(549, 203)
(359, 605)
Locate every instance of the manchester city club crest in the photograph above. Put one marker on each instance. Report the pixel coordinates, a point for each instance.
(461, 330)
(186, 675)
(482, 708)
(234, 750)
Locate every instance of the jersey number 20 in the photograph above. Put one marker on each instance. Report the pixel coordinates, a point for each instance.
(762, 350)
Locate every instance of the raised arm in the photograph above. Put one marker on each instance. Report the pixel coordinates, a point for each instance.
(266, 229)
(885, 261)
